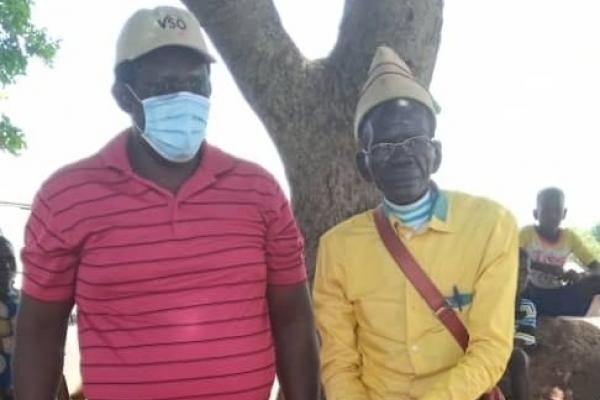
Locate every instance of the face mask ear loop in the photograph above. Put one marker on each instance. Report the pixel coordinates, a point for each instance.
(133, 93)
(135, 96)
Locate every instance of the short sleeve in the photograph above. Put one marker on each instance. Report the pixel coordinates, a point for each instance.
(284, 243)
(580, 250)
(50, 260)
(525, 235)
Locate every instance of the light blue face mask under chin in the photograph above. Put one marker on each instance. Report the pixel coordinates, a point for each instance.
(175, 124)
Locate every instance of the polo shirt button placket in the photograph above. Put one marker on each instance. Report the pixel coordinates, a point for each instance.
(413, 356)
(174, 215)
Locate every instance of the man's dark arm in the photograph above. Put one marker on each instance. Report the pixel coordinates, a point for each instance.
(295, 341)
(39, 352)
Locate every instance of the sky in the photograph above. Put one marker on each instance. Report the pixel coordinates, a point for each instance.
(517, 82)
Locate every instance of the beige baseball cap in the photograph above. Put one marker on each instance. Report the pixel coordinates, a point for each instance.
(150, 29)
(389, 78)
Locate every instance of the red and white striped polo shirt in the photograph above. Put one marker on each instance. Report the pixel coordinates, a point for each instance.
(170, 288)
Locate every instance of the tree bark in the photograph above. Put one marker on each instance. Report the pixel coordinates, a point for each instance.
(307, 106)
(566, 360)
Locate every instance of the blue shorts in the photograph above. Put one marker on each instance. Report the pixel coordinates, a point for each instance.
(568, 300)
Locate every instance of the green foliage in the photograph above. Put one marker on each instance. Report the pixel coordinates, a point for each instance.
(20, 41)
(596, 232)
(590, 240)
(12, 138)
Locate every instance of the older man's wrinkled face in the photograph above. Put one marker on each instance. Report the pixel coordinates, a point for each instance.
(398, 151)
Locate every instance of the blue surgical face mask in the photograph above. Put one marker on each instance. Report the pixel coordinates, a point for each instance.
(175, 124)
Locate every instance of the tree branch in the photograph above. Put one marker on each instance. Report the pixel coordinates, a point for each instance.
(412, 27)
(308, 107)
(263, 59)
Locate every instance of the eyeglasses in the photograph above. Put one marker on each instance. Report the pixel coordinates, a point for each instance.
(383, 152)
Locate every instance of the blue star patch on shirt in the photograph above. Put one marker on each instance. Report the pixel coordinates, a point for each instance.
(459, 300)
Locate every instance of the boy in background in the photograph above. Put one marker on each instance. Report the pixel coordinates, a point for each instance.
(554, 291)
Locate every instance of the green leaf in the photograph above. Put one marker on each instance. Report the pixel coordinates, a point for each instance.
(12, 138)
(20, 41)
(596, 232)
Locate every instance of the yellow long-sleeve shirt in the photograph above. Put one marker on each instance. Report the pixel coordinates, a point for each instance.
(380, 340)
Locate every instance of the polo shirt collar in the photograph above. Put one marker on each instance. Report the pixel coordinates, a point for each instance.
(114, 154)
(441, 217)
(214, 162)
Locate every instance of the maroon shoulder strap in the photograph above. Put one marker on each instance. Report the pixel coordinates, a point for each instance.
(415, 274)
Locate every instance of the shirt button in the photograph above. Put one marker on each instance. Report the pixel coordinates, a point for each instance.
(414, 348)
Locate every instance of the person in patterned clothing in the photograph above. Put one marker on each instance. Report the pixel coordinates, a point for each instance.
(8, 310)
(555, 291)
(516, 378)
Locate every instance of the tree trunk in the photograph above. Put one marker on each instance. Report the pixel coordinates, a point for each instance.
(307, 106)
(566, 360)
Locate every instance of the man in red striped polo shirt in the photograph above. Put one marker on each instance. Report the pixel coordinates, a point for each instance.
(185, 263)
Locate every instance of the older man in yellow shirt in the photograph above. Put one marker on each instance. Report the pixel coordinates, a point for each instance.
(380, 340)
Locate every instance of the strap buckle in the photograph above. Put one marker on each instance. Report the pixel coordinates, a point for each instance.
(445, 307)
